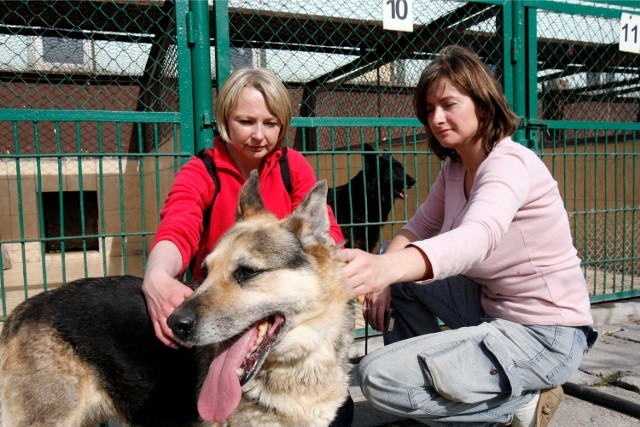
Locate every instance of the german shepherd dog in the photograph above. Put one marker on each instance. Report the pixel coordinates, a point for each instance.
(368, 198)
(274, 309)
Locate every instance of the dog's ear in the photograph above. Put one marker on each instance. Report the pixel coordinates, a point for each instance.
(310, 220)
(369, 157)
(250, 200)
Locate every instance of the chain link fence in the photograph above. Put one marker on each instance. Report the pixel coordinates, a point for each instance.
(597, 172)
(339, 62)
(117, 56)
(91, 115)
(589, 79)
(98, 100)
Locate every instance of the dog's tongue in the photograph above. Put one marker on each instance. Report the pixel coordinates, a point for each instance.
(221, 393)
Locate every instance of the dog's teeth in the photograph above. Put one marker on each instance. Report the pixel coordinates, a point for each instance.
(262, 328)
(239, 372)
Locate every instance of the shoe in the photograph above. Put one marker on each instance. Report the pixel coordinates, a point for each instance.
(526, 415)
(548, 405)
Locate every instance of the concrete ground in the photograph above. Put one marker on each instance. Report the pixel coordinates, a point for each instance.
(609, 376)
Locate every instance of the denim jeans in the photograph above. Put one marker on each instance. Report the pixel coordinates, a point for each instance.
(481, 371)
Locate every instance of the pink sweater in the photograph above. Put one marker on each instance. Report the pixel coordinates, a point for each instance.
(512, 236)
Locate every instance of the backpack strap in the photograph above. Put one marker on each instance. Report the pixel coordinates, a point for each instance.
(206, 216)
(285, 172)
(211, 168)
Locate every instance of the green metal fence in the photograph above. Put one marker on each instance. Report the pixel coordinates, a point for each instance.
(102, 101)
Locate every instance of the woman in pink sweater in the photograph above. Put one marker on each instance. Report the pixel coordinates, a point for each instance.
(490, 254)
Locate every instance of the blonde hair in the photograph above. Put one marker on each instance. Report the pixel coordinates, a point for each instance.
(264, 81)
(465, 70)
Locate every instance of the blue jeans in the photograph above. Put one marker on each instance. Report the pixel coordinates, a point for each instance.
(481, 371)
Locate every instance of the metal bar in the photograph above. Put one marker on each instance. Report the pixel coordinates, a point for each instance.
(223, 43)
(519, 60)
(185, 83)
(89, 116)
(201, 74)
(583, 8)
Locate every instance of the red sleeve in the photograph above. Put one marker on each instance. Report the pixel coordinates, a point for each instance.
(182, 214)
(303, 179)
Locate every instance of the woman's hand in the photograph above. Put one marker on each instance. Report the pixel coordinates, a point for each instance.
(365, 272)
(164, 294)
(371, 275)
(161, 290)
(376, 307)
(366, 276)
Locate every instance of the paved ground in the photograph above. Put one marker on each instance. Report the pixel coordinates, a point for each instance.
(609, 376)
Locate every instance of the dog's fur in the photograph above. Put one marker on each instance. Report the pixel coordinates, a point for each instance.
(366, 200)
(87, 351)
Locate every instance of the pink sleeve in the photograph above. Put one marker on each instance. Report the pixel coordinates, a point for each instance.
(500, 189)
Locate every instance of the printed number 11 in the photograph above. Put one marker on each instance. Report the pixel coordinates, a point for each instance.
(399, 9)
(626, 30)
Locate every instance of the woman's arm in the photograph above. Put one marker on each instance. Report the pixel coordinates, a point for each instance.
(401, 240)
(161, 289)
(182, 214)
(372, 273)
(176, 242)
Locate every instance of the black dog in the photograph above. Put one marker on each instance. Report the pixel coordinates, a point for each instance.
(364, 203)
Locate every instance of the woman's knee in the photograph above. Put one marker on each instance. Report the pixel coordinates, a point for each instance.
(383, 383)
(371, 382)
(370, 372)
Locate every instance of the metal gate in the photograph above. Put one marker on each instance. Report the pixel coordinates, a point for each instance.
(102, 101)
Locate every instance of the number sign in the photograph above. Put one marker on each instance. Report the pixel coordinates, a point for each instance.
(397, 15)
(629, 29)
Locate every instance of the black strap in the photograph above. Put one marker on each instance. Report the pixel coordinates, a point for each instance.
(285, 172)
(206, 215)
(211, 168)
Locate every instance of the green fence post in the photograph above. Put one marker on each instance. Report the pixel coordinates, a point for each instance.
(201, 68)
(185, 83)
(533, 131)
(223, 43)
(519, 66)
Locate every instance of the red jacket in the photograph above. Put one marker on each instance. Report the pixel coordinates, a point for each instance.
(192, 191)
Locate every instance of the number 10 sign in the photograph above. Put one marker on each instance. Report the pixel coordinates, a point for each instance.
(397, 15)
(629, 29)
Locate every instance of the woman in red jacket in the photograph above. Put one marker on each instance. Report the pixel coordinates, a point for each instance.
(253, 112)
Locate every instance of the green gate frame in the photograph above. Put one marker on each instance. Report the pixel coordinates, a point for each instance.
(516, 22)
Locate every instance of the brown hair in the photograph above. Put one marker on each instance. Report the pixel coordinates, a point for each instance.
(470, 75)
(264, 81)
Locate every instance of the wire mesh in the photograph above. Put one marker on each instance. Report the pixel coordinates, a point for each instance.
(95, 103)
(86, 55)
(339, 62)
(582, 74)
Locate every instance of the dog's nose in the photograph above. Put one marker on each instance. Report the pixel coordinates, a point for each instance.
(182, 322)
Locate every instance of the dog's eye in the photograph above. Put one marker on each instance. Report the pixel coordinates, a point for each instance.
(244, 273)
